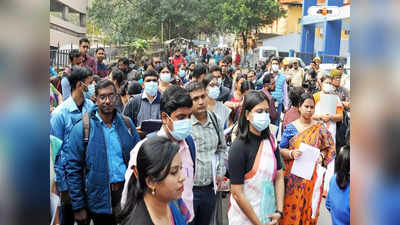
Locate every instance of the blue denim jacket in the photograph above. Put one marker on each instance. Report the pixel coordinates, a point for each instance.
(63, 118)
(87, 170)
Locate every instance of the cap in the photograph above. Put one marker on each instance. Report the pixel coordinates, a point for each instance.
(335, 73)
(317, 58)
(340, 65)
(285, 61)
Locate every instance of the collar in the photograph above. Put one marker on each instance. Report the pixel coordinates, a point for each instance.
(155, 100)
(196, 121)
(101, 120)
(71, 105)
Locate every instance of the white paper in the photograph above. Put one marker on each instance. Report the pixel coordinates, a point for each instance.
(215, 163)
(54, 203)
(327, 104)
(304, 166)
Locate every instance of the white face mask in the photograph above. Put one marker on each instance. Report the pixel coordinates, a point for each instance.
(165, 77)
(275, 68)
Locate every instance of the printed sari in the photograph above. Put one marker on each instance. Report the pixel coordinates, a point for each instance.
(303, 197)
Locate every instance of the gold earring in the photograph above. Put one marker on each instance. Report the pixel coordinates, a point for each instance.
(153, 191)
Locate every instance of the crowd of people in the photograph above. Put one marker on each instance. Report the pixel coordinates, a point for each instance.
(162, 142)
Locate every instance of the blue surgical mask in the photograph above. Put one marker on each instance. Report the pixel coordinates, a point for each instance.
(165, 77)
(261, 121)
(151, 88)
(213, 92)
(182, 129)
(90, 91)
(182, 73)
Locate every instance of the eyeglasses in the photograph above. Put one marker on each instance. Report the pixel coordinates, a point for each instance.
(112, 97)
(214, 85)
(85, 46)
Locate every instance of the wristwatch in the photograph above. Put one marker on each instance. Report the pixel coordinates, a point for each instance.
(280, 212)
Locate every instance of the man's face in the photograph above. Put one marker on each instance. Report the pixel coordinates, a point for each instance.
(88, 81)
(224, 67)
(100, 55)
(84, 47)
(336, 81)
(105, 100)
(191, 67)
(150, 79)
(340, 70)
(271, 85)
(77, 61)
(179, 114)
(122, 66)
(177, 53)
(251, 76)
(217, 74)
(295, 65)
(156, 61)
(199, 101)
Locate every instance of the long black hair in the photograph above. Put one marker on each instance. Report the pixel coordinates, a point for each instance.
(251, 99)
(342, 167)
(154, 160)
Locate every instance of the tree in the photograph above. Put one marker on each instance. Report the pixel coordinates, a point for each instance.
(126, 20)
(244, 16)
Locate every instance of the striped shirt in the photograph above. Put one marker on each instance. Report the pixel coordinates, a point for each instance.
(206, 140)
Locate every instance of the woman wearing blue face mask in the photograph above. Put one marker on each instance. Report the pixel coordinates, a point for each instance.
(182, 74)
(213, 91)
(255, 167)
(166, 72)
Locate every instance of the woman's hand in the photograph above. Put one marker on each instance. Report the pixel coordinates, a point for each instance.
(274, 219)
(295, 154)
(325, 117)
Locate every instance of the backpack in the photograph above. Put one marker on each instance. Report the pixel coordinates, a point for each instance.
(135, 106)
(189, 141)
(86, 127)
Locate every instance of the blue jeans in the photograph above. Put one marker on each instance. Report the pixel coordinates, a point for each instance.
(279, 111)
(203, 204)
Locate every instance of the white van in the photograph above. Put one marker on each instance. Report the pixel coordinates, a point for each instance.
(261, 54)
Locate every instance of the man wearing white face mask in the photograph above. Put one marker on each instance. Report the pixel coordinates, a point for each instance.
(175, 109)
(212, 87)
(145, 106)
(281, 91)
(210, 145)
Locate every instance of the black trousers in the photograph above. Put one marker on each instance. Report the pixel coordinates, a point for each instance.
(107, 219)
(203, 203)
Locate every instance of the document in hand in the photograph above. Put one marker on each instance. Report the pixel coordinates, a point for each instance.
(327, 104)
(304, 166)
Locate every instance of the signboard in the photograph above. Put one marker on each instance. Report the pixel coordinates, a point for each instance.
(320, 14)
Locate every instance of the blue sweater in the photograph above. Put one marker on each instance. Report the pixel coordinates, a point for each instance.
(338, 203)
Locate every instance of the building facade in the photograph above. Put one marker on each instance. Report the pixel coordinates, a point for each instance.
(67, 22)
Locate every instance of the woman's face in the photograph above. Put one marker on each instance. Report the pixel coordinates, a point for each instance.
(259, 108)
(307, 108)
(171, 187)
(164, 70)
(213, 83)
(239, 83)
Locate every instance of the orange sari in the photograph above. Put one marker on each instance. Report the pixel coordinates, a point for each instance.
(297, 208)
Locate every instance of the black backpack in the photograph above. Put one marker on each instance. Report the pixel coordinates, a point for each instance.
(86, 127)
